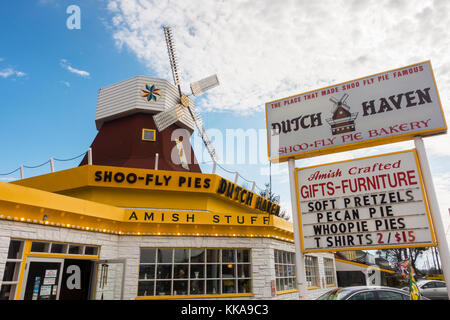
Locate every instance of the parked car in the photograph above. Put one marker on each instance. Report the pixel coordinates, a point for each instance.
(366, 293)
(432, 289)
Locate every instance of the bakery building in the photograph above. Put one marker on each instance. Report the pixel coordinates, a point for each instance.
(361, 268)
(137, 219)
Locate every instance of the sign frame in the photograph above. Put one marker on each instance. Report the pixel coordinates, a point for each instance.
(406, 245)
(362, 143)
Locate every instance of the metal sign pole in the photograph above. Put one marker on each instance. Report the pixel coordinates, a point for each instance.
(300, 269)
(444, 251)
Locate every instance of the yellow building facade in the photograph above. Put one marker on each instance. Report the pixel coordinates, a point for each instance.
(128, 238)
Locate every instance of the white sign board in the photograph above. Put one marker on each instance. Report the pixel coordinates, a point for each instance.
(370, 203)
(387, 107)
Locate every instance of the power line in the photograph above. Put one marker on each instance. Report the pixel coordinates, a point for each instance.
(5, 174)
(83, 153)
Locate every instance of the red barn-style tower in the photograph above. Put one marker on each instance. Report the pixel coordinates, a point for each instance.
(128, 135)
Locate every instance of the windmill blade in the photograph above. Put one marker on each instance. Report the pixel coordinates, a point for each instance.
(172, 115)
(333, 99)
(168, 117)
(203, 134)
(205, 84)
(172, 57)
(343, 98)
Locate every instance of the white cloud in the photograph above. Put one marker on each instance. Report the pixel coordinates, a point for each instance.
(263, 51)
(66, 83)
(65, 64)
(10, 72)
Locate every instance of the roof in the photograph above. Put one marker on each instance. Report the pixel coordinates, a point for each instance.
(115, 200)
(363, 265)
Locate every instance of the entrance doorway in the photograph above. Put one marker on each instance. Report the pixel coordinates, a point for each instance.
(42, 279)
(57, 279)
(109, 279)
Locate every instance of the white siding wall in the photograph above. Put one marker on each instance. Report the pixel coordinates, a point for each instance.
(127, 247)
(125, 97)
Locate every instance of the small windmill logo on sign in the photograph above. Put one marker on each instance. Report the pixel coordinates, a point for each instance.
(342, 119)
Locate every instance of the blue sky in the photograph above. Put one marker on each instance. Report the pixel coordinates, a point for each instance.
(49, 111)
(49, 75)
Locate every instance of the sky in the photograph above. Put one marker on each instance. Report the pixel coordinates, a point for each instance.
(260, 50)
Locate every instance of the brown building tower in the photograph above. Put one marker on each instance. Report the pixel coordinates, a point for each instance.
(128, 135)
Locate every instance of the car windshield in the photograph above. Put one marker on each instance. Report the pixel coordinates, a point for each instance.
(335, 294)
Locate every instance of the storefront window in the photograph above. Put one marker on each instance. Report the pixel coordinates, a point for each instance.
(199, 271)
(63, 248)
(312, 271)
(148, 256)
(11, 271)
(91, 251)
(285, 270)
(58, 248)
(329, 271)
(40, 246)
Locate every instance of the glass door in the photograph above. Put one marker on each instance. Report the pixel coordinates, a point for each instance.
(109, 279)
(42, 279)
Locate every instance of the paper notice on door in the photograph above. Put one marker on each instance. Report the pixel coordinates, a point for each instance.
(49, 281)
(51, 273)
(37, 280)
(45, 291)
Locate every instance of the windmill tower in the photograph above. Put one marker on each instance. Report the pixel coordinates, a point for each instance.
(138, 121)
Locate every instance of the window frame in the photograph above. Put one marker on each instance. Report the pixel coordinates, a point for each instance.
(285, 272)
(313, 269)
(144, 130)
(17, 263)
(241, 276)
(328, 266)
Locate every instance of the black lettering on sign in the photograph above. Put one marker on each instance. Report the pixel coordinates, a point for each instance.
(148, 216)
(119, 177)
(133, 216)
(107, 176)
(131, 178)
(396, 102)
(222, 186)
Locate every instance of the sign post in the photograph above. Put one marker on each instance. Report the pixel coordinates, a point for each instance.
(373, 202)
(300, 267)
(444, 251)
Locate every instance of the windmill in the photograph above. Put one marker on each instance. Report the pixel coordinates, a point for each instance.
(342, 119)
(176, 113)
